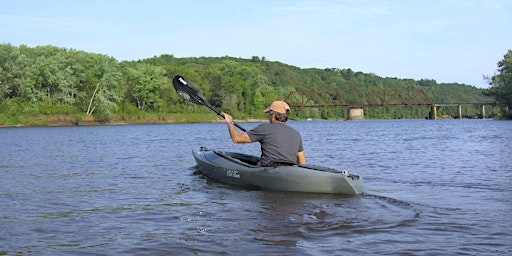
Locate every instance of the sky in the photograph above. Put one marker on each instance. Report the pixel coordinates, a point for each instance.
(450, 41)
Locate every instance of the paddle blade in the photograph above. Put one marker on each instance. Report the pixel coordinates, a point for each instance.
(188, 91)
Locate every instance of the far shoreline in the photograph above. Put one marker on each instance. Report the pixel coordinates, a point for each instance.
(63, 121)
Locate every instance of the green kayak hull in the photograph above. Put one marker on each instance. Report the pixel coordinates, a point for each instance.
(242, 170)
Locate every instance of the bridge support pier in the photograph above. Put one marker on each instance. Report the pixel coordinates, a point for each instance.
(433, 113)
(483, 111)
(459, 111)
(355, 114)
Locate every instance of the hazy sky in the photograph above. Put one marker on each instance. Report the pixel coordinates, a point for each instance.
(445, 40)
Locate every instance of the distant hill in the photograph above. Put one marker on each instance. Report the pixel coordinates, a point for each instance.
(281, 78)
(48, 81)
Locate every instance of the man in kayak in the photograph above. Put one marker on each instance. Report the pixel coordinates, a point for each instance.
(280, 143)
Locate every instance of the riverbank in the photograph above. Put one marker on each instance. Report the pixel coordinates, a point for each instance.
(65, 120)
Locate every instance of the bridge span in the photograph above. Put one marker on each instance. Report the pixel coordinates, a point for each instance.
(459, 108)
(355, 100)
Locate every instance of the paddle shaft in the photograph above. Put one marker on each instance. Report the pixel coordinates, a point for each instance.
(220, 114)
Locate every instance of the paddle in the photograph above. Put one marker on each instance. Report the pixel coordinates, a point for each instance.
(190, 93)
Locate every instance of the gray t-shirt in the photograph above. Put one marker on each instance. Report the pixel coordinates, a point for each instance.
(279, 142)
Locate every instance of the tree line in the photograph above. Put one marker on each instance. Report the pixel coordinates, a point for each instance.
(42, 81)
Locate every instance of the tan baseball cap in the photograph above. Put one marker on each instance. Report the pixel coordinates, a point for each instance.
(279, 107)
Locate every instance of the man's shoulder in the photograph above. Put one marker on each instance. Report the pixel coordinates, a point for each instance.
(274, 126)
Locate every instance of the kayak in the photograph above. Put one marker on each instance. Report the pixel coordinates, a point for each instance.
(242, 170)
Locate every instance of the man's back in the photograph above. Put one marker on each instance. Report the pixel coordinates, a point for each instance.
(279, 142)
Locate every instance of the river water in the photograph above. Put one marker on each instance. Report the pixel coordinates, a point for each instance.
(431, 188)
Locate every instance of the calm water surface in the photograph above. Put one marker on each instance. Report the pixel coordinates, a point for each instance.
(431, 188)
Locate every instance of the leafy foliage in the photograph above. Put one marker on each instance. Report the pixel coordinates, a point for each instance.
(48, 80)
(502, 84)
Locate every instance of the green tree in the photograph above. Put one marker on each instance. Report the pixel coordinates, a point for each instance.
(147, 83)
(10, 71)
(501, 83)
(107, 91)
(52, 80)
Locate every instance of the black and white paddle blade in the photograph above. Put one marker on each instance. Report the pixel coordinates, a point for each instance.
(187, 91)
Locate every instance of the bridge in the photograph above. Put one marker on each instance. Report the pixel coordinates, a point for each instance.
(355, 100)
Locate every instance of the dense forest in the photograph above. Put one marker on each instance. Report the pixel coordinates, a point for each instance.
(47, 83)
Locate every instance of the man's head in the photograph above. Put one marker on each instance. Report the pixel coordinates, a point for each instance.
(279, 107)
(278, 111)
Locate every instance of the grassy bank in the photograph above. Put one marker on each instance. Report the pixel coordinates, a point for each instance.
(83, 120)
